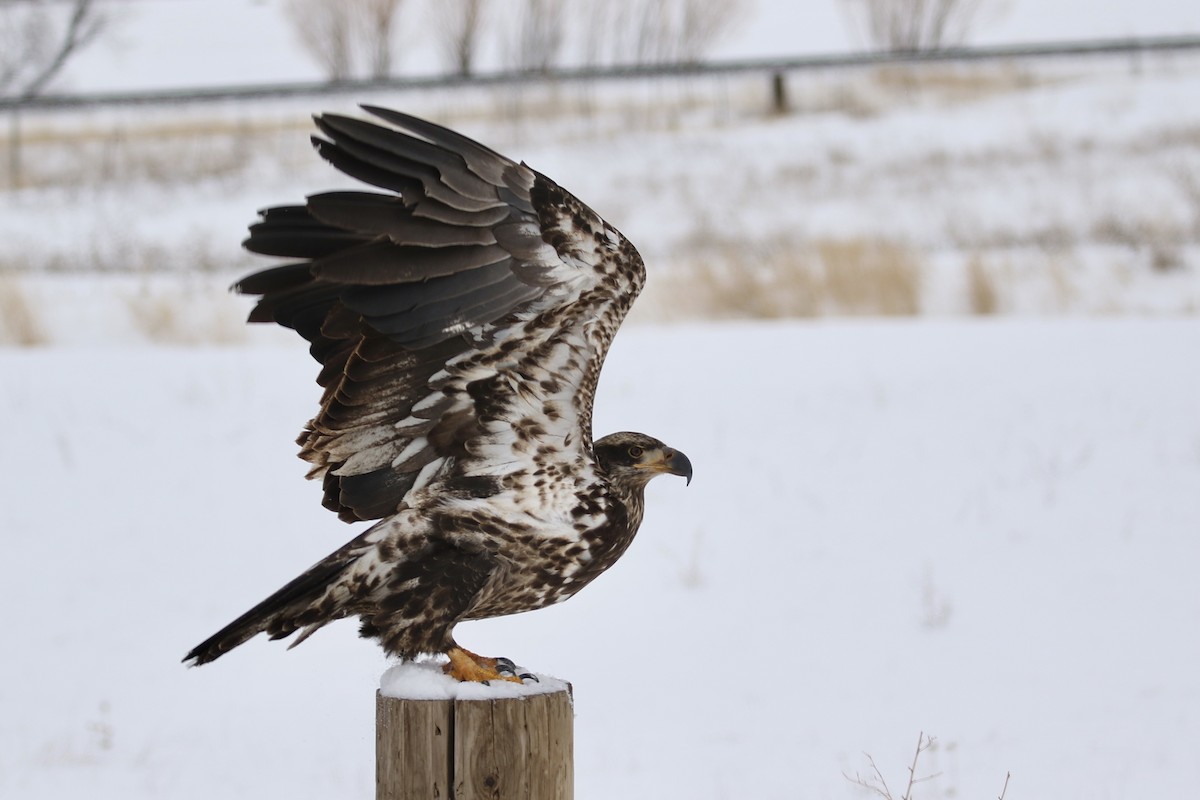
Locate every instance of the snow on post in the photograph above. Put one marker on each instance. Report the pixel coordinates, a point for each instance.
(436, 737)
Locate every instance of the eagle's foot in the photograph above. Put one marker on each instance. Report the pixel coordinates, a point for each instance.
(506, 667)
(467, 666)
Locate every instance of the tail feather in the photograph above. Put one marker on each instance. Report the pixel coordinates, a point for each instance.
(281, 614)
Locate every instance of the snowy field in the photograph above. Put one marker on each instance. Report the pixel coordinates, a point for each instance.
(1072, 188)
(982, 530)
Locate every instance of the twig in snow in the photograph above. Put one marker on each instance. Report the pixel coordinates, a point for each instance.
(876, 782)
(1004, 791)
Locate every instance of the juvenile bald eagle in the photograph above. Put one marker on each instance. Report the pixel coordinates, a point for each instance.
(460, 320)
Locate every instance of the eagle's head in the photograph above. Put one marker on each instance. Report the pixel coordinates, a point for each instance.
(631, 459)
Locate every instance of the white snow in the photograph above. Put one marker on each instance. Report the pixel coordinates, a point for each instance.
(984, 529)
(424, 680)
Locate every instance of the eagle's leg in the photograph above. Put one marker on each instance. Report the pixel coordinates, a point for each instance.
(467, 666)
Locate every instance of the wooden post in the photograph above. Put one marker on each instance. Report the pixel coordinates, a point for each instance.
(518, 748)
(779, 98)
(14, 149)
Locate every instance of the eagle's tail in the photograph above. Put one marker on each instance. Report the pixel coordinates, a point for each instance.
(293, 607)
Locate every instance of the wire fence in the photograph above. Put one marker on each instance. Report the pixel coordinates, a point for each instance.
(1131, 47)
(55, 139)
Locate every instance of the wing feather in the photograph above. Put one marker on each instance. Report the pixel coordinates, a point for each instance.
(373, 212)
(446, 314)
(382, 263)
(383, 301)
(406, 156)
(481, 160)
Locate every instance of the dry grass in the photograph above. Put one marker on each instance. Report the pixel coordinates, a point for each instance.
(184, 146)
(18, 322)
(190, 312)
(157, 319)
(1162, 240)
(870, 276)
(983, 296)
(1002, 263)
(164, 153)
(954, 83)
(787, 277)
(872, 92)
(1188, 180)
(110, 253)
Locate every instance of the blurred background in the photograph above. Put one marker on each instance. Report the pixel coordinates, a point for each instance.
(927, 273)
(762, 164)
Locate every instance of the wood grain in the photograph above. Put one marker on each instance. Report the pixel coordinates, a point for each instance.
(507, 749)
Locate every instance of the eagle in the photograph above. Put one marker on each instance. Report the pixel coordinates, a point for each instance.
(460, 319)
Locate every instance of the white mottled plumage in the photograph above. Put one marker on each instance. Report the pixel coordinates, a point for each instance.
(461, 321)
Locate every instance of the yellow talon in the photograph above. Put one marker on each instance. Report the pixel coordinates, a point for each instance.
(467, 666)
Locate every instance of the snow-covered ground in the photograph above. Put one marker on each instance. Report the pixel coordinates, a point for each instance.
(985, 530)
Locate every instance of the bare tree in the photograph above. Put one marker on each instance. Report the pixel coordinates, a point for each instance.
(539, 35)
(458, 26)
(656, 31)
(38, 38)
(701, 23)
(343, 35)
(606, 34)
(376, 22)
(324, 30)
(914, 25)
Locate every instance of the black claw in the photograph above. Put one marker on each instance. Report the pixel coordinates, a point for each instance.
(505, 666)
(529, 676)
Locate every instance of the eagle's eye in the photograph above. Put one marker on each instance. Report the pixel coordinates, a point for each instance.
(636, 452)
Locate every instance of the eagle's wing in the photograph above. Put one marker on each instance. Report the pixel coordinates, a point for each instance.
(460, 322)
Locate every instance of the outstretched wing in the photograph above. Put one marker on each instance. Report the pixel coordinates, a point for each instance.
(460, 320)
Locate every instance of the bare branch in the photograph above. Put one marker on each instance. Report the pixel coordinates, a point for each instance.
(874, 783)
(324, 30)
(458, 24)
(703, 22)
(24, 38)
(376, 21)
(33, 52)
(341, 35)
(655, 31)
(923, 743)
(539, 35)
(914, 25)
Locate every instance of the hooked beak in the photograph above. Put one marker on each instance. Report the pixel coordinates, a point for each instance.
(676, 463)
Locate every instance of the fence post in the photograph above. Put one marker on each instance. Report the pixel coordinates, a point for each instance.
(14, 149)
(518, 748)
(779, 98)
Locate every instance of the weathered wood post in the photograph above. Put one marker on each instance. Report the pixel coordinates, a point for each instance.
(507, 748)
